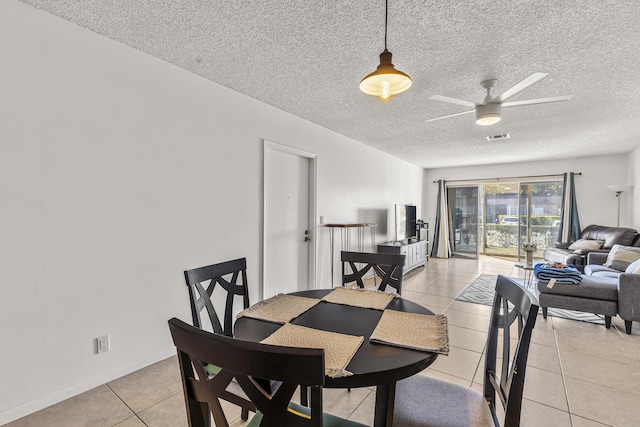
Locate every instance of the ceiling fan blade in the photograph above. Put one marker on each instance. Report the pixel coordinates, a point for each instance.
(451, 115)
(533, 78)
(453, 100)
(538, 101)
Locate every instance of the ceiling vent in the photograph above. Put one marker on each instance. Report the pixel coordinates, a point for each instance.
(497, 137)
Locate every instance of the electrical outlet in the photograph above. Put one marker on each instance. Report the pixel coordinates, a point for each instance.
(104, 343)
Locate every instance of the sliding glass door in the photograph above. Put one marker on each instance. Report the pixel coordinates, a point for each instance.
(503, 219)
(464, 211)
(540, 209)
(496, 219)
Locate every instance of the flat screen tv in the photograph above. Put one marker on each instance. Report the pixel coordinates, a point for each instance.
(405, 222)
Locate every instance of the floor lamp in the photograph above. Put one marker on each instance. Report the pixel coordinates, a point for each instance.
(618, 189)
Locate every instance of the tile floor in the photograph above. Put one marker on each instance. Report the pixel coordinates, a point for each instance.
(579, 374)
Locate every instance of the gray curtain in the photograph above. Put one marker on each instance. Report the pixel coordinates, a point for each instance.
(441, 247)
(569, 230)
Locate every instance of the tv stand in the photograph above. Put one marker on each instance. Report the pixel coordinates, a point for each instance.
(415, 253)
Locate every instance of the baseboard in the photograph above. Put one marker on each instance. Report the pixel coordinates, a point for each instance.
(76, 389)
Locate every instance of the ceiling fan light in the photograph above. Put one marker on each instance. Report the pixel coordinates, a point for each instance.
(488, 120)
(386, 81)
(488, 114)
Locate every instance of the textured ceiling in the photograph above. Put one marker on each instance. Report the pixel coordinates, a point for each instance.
(307, 58)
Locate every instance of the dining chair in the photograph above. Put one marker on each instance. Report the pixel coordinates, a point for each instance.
(242, 362)
(428, 402)
(389, 267)
(230, 277)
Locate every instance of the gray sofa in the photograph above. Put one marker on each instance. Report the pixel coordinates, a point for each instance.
(603, 290)
(628, 286)
(610, 236)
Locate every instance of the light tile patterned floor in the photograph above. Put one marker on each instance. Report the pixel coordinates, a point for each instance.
(579, 375)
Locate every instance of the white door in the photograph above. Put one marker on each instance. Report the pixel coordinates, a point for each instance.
(288, 245)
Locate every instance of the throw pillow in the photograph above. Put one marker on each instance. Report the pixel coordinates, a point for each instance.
(621, 257)
(634, 267)
(586, 244)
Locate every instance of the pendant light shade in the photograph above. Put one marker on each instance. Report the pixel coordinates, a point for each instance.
(386, 81)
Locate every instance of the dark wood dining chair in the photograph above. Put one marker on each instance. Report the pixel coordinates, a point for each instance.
(242, 362)
(389, 267)
(230, 278)
(429, 402)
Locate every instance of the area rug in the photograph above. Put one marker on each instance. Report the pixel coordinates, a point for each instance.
(481, 291)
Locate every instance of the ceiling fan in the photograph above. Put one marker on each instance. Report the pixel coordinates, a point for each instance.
(489, 111)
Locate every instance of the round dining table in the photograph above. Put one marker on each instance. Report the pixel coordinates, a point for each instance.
(374, 364)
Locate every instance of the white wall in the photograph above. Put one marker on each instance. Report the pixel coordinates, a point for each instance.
(117, 172)
(596, 203)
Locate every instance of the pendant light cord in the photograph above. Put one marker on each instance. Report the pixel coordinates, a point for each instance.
(386, 15)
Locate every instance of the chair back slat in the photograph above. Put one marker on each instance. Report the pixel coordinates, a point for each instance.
(389, 267)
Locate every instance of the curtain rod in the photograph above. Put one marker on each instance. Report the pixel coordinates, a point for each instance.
(508, 178)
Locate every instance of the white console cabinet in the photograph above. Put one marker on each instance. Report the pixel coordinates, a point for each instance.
(416, 254)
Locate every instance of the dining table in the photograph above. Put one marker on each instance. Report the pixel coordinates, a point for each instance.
(373, 364)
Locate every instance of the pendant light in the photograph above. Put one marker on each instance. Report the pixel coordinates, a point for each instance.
(386, 81)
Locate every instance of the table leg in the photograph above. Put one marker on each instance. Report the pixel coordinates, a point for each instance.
(331, 250)
(385, 400)
(344, 243)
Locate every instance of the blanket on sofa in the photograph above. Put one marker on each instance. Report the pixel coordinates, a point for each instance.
(561, 273)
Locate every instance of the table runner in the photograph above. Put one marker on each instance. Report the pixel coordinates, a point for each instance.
(411, 330)
(359, 298)
(281, 308)
(338, 348)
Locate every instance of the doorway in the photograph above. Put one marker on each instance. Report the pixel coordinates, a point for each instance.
(464, 211)
(289, 194)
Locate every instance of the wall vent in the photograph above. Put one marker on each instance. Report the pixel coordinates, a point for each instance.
(496, 137)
